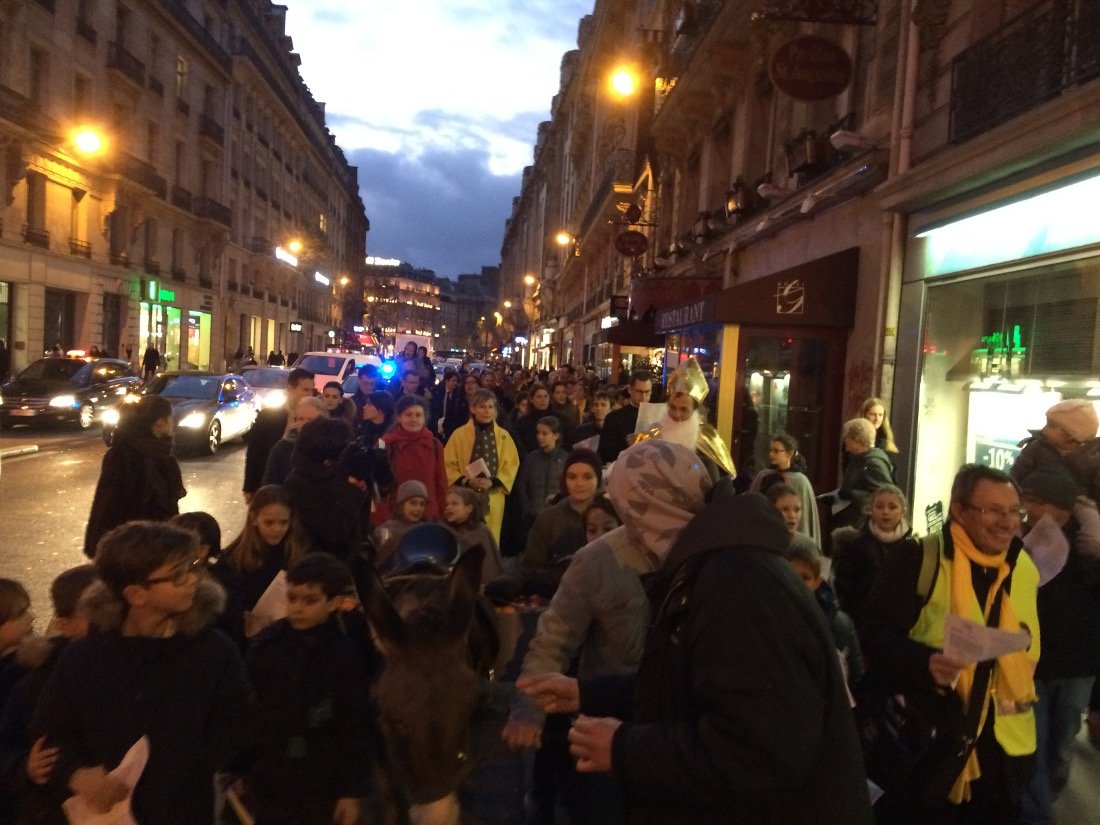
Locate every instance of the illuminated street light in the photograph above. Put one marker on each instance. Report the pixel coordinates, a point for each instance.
(294, 245)
(507, 304)
(344, 281)
(562, 238)
(530, 280)
(624, 81)
(88, 140)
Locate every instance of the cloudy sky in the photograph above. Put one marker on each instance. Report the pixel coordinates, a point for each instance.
(437, 102)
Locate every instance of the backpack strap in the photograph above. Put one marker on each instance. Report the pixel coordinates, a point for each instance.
(931, 546)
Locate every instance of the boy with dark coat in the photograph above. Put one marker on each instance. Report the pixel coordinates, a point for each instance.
(153, 667)
(316, 751)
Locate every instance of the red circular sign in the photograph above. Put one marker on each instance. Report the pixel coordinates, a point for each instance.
(811, 68)
(631, 243)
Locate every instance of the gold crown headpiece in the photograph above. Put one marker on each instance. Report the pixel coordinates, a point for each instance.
(688, 378)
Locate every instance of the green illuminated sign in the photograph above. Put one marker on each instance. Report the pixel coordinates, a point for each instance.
(166, 295)
(151, 290)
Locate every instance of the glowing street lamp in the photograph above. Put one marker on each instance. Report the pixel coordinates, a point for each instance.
(530, 280)
(88, 140)
(624, 81)
(294, 245)
(344, 280)
(562, 238)
(507, 304)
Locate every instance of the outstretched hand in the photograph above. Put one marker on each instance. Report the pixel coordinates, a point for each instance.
(553, 692)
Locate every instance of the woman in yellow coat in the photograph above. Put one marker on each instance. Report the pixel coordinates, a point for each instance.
(481, 438)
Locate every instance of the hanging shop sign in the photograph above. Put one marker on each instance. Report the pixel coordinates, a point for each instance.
(631, 243)
(811, 68)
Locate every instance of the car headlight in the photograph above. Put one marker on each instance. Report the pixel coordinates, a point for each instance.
(274, 399)
(109, 418)
(193, 421)
(63, 401)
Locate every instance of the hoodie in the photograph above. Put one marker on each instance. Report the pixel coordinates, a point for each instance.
(188, 693)
(739, 704)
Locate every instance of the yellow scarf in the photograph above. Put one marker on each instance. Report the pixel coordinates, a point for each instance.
(1012, 683)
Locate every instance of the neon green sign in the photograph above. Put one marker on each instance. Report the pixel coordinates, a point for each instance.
(166, 295)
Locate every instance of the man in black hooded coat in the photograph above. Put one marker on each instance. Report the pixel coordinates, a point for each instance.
(739, 709)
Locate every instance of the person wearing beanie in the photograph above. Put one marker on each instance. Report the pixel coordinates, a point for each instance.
(1069, 439)
(410, 506)
(1069, 619)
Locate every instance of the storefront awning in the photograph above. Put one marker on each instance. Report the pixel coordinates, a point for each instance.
(630, 334)
(820, 293)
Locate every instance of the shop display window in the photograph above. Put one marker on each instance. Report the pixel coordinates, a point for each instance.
(997, 352)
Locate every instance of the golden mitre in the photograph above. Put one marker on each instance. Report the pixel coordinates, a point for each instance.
(689, 378)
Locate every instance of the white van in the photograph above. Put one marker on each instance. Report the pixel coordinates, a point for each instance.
(334, 366)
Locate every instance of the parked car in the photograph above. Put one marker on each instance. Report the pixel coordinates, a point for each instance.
(334, 366)
(66, 390)
(269, 384)
(208, 408)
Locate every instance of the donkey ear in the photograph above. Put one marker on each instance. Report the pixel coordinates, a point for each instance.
(463, 585)
(388, 626)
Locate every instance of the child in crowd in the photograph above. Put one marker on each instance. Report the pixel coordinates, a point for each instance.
(20, 758)
(540, 473)
(16, 622)
(316, 747)
(859, 554)
(416, 455)
(805, 558)
(787, 502)
(410, 504)
(209, 532)
(155, 668)
(270, 541)
(464, 514)
(1068, 438)
(601, 517)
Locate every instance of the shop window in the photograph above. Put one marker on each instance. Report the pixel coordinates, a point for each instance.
(998, 351)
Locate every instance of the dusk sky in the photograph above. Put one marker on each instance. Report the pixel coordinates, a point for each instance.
(437, 102)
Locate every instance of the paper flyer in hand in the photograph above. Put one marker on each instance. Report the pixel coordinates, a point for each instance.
(79, 812)
(649, 416)
(271, 606)
(478, 469)
(1048, 547)
(969, 641)
(592, 444)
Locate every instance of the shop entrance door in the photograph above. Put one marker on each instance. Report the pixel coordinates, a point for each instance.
(790, 380)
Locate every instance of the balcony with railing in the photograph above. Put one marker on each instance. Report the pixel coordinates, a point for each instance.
(211, 129)
(141, 173)
(205, 207)
(86, 30)
(1037, 55)
(178, 273)
(156, 86)
(122, 61)
(205, 281)
(260, 245)
(182, 106)
(178, 10)
(181, 198)
(119, 258)
(80, 248)
(36, 236)
(151, 266)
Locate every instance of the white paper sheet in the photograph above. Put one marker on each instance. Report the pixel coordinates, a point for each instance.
(79, 812)
(1048, 547)
(649, 415)
(969, 641)
(271, 606)
(478, 469)
(592, 444)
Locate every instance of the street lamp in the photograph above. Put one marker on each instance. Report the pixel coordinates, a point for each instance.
(88, 140)
(624, 81)
(530, 280)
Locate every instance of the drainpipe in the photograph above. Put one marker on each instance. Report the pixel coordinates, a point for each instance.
(894, 226)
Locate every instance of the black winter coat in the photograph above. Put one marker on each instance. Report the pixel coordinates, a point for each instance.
(857, 558)
(187, 693)
(316, 738)
(617, 426)
(864, 474)
(328, 506)
(266, 432)
(139, 479)
(740, 712)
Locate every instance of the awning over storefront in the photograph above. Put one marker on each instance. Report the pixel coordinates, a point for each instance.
(648, 295)
(629, 334)
(820, 293)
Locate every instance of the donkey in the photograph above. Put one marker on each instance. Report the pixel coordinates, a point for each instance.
(441, 712)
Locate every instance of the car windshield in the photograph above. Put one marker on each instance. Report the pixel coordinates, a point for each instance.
(322, 364)
(266, 379)
(203, 387)
(57, 369)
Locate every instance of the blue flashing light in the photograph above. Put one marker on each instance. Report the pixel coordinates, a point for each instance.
(388, 369)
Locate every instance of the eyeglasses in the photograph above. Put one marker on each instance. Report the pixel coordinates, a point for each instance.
(179, 575)
(998, 513)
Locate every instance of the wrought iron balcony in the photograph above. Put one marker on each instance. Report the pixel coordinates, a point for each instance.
(261, 245)
(205, 282)
(118, 258)
(205, 207)
(181, 198)
(1035, 56)
(151, 266)
(156, 86)
(119, 59)
(211, 129)
(182, 106)
(36, 236)
(178, 10)
(86, 30)
(179, 273)
(79, 247)
(141, 173)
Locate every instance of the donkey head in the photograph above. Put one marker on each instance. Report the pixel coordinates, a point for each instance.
(429, 688)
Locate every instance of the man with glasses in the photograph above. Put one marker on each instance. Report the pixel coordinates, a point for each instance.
(155, 669)
(983, 576)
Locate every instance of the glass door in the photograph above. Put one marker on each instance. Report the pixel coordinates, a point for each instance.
(790, 381)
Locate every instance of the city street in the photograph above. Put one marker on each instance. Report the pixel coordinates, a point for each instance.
(45, 498)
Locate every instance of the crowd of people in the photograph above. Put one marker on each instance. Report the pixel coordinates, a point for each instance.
(705, 650)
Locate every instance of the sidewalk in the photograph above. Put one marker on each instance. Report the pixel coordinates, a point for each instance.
(12, 444)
